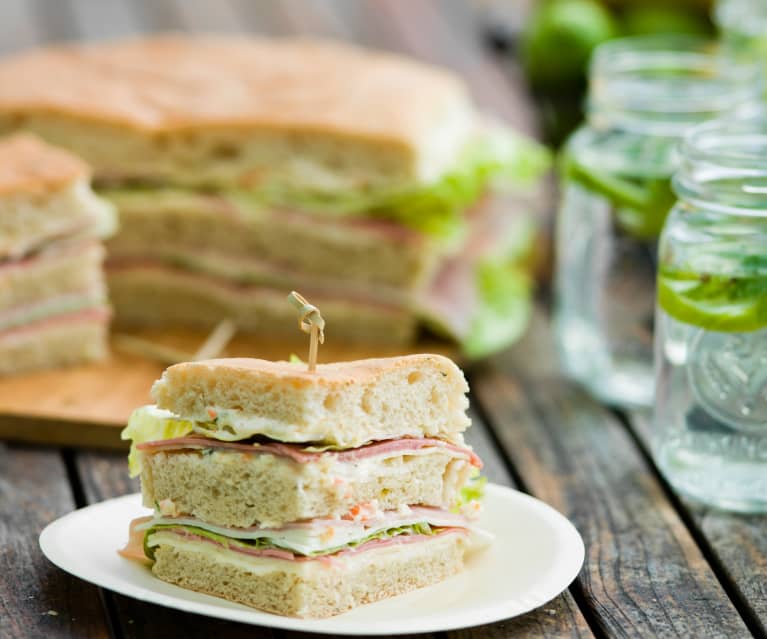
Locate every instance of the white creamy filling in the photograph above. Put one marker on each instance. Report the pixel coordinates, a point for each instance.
(233, 425)
(255, 565)
(322, 535)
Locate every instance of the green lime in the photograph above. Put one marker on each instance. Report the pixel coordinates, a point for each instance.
(714, 302)
(560, 38)
(641, 205)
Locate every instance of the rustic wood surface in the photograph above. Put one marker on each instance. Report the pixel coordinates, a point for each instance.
(656, 566)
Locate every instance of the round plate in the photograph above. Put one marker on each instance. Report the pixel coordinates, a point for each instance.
(535, 555)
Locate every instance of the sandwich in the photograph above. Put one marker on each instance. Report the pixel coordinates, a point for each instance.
(305, 493)
(242, 167)
(53, 308)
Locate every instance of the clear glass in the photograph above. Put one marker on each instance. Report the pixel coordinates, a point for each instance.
(615, 194)
(710, 417)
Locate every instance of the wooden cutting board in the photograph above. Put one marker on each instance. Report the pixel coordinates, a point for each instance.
(89, 405)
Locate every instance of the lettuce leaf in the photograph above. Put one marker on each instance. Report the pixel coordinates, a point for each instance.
(472, 491)
(497, 157)
(504, 290)
(421, 528)
(147, 424)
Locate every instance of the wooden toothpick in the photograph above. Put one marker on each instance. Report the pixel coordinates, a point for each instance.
(309, 321)
(212, 347)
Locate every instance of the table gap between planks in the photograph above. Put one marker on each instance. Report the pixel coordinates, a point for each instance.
(655, 566)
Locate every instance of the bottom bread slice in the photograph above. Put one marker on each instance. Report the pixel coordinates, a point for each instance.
(319, 587)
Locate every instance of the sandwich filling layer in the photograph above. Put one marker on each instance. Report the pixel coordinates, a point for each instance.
(310, 538)
(152, 429)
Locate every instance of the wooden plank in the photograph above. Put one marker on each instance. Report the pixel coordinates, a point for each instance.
(644, 574)
(36, 598)
(105, 19)
(18, 27)
(203, 15)
(738, 543)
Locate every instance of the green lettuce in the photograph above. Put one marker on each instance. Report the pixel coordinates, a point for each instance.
(504, 308)
(148, 424)
(472, 490)
(421, 528)
(497, 156)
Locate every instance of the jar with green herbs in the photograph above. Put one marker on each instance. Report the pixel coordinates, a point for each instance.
(710, 420)
(644, 94)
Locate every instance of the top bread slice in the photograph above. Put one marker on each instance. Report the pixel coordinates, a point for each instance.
(31, 168)
(45, 195)
(344, 404)
(215, 111)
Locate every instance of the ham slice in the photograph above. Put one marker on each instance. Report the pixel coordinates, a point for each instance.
(297, 453)
(134, 549)
(86, 315)
(276, 553)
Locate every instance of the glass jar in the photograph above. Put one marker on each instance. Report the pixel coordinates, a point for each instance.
(644, 93)
(710, 418)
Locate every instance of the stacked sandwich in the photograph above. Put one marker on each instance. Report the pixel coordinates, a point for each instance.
(304, 493)
(53, 307)
(244, 167)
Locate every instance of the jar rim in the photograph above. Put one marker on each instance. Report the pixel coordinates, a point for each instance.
(722, 154)
(666, 83)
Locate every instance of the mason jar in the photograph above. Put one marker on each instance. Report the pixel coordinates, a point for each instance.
(710, 418)
(644, 94)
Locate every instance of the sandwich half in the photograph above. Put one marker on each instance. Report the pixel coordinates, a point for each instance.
(53, 308)
(305, 493)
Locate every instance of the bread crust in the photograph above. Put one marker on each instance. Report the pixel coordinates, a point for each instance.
(29, 166)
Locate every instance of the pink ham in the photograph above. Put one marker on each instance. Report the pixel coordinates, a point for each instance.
(297, 454)
(86, 315)
(134, 549)
(275, 553)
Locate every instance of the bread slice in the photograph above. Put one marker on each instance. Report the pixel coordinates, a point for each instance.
(154, 295)
(238, 491)
(222, 234)
(207, 110)
(314, 587)
(345, 403)
(78, 338)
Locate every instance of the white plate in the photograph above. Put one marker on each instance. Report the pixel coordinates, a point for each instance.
(535, 556)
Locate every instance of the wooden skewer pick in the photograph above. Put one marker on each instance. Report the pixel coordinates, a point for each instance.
(212, 347)
(309, 321)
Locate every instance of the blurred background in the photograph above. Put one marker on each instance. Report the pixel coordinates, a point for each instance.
(553, 40)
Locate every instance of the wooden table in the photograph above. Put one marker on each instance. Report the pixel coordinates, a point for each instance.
(655, 565)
